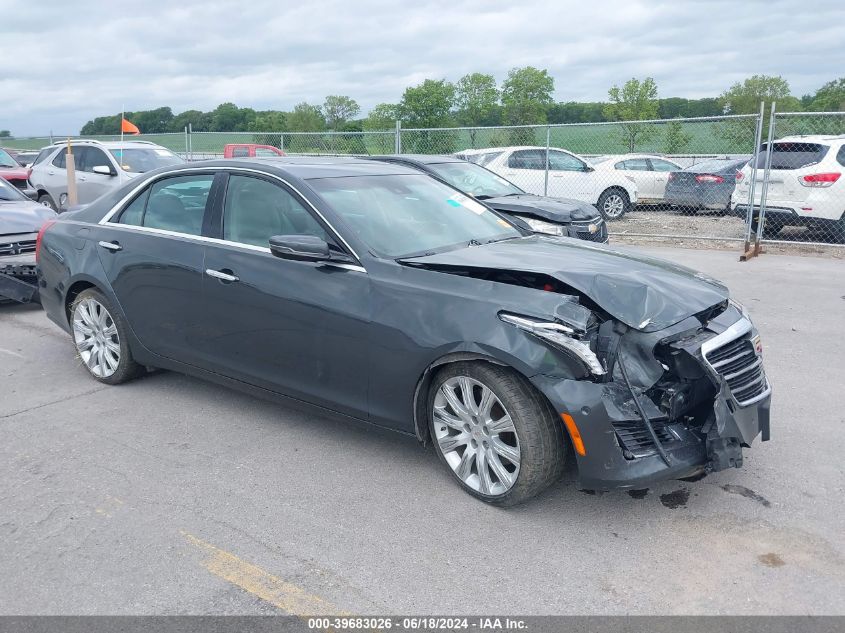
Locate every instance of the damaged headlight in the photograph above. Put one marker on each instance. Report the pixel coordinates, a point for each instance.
(541, 226)
(558, 335)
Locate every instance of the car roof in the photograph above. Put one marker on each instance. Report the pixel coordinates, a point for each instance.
(110, 144)
(308, 167)
(422, 159)
(811, 137)
(606, 157)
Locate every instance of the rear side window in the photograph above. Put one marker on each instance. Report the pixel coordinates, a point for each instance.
(793, 155)
(663, 165)
(527, 159)
(636, 164)
(172, 204)
(840, 156)
(240, 152)
(59, 160)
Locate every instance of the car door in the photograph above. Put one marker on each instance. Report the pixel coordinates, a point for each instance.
(152, 253)
(570, 177)
(294, 327)
(89, 184)
(525, 168)
(639, 170)
(661, 169)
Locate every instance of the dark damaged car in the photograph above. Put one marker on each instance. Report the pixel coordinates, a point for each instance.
(540, 214)
(378, 293)
(20, 221)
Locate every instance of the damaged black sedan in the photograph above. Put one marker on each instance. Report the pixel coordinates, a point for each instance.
(378, 293)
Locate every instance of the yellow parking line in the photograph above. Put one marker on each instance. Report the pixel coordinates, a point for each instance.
(253, 579)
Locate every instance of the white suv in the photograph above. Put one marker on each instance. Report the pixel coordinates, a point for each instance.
(100, 167)
(806, 185)
(570, 176)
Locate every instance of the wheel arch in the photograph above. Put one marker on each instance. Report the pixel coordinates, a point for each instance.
(615, 187)
(73, 292)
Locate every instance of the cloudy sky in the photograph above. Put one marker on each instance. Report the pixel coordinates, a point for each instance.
(66, 62)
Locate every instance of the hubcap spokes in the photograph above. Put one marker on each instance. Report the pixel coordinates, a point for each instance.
(476, 435)
(96, 338)
(613, 206)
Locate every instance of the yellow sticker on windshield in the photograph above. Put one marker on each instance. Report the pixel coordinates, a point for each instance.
(460, 199)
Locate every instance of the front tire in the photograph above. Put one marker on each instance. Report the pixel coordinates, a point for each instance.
(614, 203)
(101, 338)
(47, 201)
(498, 436)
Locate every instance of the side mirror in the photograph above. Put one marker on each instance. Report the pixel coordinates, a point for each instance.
(104, 170)
(303, 248)
(588, 168)
(30, 193)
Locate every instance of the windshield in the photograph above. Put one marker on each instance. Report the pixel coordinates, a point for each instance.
(138, 160)
(8, 193)
(407, 215)
(6, 160)
(474, 180)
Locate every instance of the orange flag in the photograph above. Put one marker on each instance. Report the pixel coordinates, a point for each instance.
(127, 127)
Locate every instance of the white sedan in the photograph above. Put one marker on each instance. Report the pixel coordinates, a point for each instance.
(651, 173)
(569, 176)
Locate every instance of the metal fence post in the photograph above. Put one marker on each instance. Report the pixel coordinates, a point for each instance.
(749, 216)
(186, 142)
(397, 145)
(190, 142)
(282, 141)
(766, 175)
(548, 141)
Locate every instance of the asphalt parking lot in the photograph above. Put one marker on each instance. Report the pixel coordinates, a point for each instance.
(172, 495)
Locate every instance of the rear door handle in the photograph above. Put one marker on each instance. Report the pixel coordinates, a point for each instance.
(111, 246)
(222, 276)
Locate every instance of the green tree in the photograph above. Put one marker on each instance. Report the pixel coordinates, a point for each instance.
(676, 139)
(428, 104)
(476, 100)
(338, 109)
(152, 121)
(5, 134)
(526, 94)
(227, 117)
(745, 97)
(635, 101)
(306, 118)
(199, 121)
(268, 121)
(381, 117)
(830, 97)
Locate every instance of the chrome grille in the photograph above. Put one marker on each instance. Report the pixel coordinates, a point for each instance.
(17, 248)
(738, 363)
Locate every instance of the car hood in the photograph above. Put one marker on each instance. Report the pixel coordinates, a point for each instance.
(560, 210)
(23, 217)
(644, 293)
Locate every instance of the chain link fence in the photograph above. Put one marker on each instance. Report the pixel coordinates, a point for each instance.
(682, 179)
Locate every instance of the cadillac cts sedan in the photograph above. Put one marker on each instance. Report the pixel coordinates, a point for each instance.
(378, 293)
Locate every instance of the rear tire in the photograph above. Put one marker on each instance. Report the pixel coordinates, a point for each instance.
(101, 337)
(495, 432)
(47, 201)
(614, 203)
(771, 229)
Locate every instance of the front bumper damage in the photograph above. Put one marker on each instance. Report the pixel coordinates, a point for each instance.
(18, 280)
(707, 436)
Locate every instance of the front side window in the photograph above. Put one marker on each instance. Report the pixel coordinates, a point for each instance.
(240, 152)
(663, 165)
(560, 161)
(263, 151)
(406, 215)
(171, 204)
(86, 158)
(256, 210)
(636, 164)
(42, 155)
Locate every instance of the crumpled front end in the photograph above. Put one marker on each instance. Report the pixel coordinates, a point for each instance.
(18, 280)
(672, 404)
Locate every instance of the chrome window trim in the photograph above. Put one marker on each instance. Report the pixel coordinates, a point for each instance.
(106, 219)
(739, 329)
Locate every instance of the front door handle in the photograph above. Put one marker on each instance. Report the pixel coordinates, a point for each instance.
(111, 246)
(221, 275)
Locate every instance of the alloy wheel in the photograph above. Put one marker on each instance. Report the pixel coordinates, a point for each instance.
(613, 206)
(96, 337)
(476, 435)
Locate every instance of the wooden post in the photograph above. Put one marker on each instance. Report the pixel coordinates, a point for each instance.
(72, 198)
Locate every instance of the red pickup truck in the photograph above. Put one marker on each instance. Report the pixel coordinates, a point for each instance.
(244, 150)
